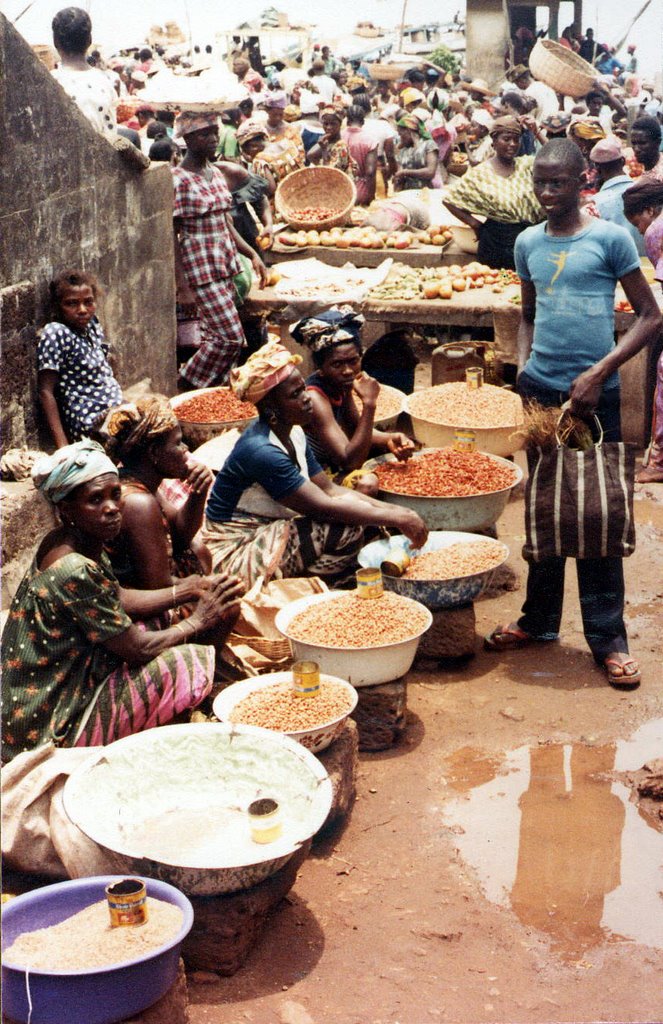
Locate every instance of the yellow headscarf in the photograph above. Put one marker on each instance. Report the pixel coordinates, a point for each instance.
(263, 370)
(589, 128)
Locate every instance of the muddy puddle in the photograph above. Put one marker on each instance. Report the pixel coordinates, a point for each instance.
(553, 837)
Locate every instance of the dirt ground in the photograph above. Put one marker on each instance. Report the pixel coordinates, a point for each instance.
(494, 867)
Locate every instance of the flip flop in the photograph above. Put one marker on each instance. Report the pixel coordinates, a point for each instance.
(507, 638)
(619, 677)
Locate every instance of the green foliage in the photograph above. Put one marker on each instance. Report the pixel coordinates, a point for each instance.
(444, 58)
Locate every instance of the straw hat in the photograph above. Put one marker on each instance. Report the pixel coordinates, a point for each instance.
(478, 85)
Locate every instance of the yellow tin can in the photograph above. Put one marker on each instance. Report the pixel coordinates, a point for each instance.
(306, 679)
(265, 819)
(474, 377)
(127, 902)
(396, 562)
(465, 441)
(369, 583)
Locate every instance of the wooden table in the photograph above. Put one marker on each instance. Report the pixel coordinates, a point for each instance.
(419, 256)
(470, 309)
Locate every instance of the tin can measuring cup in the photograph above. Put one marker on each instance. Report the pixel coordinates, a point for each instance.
(127, 902)
(369, 583)
(474, 377)
(265, 818)
(306, 679)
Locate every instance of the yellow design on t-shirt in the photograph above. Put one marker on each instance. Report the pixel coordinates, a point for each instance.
(558, 261)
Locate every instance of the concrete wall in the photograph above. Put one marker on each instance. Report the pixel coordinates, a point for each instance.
(69, 200)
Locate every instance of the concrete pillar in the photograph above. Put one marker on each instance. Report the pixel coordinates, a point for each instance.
(553, 24)
(486, 38)
(577, 16)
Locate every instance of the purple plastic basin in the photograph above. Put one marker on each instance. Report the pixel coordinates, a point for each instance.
(100, 996)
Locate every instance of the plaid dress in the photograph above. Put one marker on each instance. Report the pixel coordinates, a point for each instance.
(210, 262)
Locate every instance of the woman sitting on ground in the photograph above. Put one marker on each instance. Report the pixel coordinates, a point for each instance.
(501, 190)
(273, 511)
(157, 544)
(75, 382)
(76, 670)
(341, 431)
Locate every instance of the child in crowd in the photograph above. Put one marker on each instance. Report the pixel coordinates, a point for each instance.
(75, 381)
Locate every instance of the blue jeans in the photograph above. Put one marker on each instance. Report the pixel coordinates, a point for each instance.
(600, 580)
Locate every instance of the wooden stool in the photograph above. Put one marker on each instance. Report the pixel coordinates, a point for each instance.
(381, 714)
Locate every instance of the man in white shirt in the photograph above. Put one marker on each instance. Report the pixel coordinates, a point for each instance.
(547, 102)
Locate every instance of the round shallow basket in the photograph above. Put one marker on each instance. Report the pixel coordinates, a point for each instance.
(361, 666)
(172, 803)
(475, 512)
(316, 739)
(388, 72)
(316, 186)
(490, 440)
(97, 995)
(195, 433)
(561, 69)
(435, 594)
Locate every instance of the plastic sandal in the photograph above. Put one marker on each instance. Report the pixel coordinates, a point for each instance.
(623, 679)
(507, 638)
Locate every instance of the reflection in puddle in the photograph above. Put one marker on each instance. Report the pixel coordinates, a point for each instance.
(553, 837)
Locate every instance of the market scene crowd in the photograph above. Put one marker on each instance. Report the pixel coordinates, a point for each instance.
(123, 619)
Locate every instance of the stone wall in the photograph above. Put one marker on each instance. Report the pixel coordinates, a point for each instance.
(70, 200)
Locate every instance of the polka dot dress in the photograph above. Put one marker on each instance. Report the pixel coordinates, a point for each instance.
(86, 386)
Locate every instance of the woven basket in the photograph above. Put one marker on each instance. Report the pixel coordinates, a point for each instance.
(315, 186)
(387, 72)
(561, 69)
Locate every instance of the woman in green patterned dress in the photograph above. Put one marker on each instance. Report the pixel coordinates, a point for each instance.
(76, 670)
(501, 190)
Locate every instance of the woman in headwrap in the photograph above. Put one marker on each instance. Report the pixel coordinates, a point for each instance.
(252, 139)
(76, 670)
(332, 150)
(246, 75)
(586, 132)
(416, 156)
(479, 144)
(206, 248)
(273, 511)
(157, 545)
(341, 431)
(501, 190)
(284, 150)
(643, 205)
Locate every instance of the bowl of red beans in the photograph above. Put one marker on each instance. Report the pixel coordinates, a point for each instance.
(449, 489)
(209, 412)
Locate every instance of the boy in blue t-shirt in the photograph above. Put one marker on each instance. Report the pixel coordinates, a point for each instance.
(569, 268)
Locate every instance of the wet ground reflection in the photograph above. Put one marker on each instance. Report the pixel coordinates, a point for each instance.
(553, 836)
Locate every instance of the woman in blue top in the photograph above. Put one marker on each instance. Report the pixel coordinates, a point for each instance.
(272, 510)
(75, 382)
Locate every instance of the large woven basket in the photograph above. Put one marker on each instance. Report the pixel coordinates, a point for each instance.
(561, 69)
(387, 72)
(315, 186)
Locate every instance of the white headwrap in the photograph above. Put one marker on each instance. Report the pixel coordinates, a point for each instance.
(59, 474)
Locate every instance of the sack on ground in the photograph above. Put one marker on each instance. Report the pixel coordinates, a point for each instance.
(579, 504)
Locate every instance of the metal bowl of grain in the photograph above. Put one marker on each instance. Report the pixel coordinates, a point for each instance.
(195, 411)
(172, 803)
(494, 416)
(268, 703)
(91, 994)
(459, 551)
(336, 637)
(467, 512)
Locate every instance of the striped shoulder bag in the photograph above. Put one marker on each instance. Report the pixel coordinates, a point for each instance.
(579, 504)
